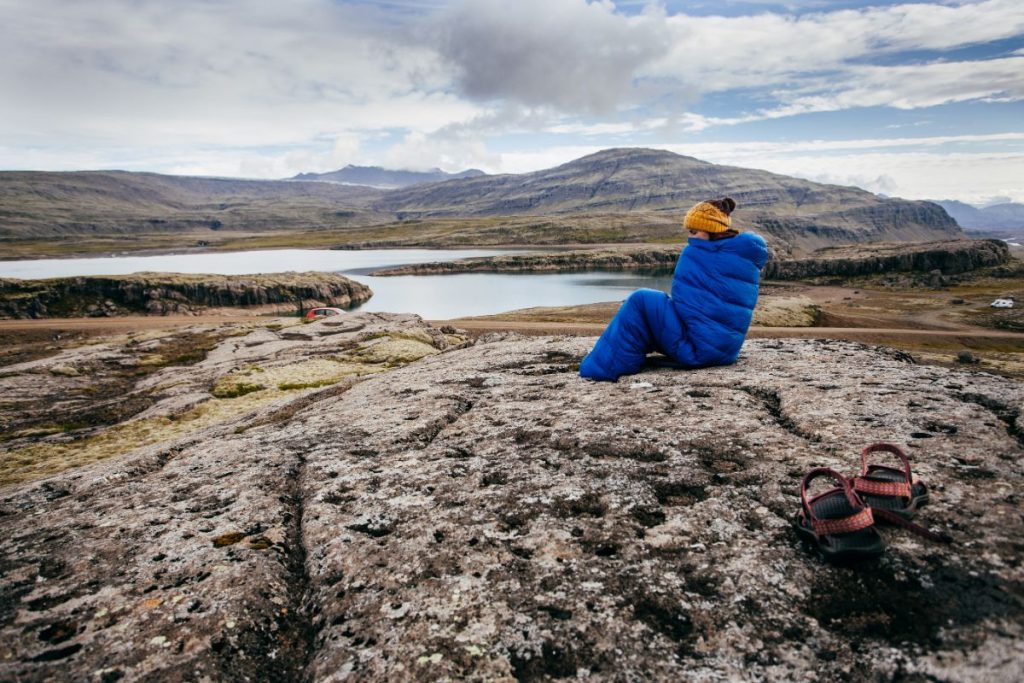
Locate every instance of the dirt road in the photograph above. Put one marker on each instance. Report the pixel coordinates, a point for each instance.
(878, 335)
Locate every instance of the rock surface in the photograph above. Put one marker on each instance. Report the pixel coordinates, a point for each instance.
(485, 514)
(165, 293)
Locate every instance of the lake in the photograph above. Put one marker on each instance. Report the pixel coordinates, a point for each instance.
(435, 297)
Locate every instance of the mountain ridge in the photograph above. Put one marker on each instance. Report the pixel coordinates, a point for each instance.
(615, 195)
(1003, 216)
(800, 212)
(385, 178)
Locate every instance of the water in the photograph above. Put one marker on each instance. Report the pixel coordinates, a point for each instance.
(435, 297)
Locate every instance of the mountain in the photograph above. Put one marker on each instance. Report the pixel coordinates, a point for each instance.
(41, 204)
(617, 195)
(382, 178)
(1008, 216)
(660, 183)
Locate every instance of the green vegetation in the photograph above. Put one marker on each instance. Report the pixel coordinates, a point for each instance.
(234, 390)
(292, 386)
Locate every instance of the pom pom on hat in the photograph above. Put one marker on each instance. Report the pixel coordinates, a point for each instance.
(710, 216)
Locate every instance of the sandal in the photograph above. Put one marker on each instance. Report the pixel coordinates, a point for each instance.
(888, 488)
(837, 521)
(893, 495)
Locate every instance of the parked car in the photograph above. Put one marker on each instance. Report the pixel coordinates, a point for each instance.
(315, 313)
(1002, 303)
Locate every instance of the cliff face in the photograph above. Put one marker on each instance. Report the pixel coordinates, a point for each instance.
(485, 514)
(566, 261)
(949, 257)
(163, 293)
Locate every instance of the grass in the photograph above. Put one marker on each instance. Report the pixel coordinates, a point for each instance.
(236, 389)
(292, 386)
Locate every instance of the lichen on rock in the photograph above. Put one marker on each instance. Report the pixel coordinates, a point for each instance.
(485, 514)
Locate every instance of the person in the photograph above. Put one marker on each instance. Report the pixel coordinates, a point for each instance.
(705, 320)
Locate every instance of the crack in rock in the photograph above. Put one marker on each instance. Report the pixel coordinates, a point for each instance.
(1007, 414)
(772, 402)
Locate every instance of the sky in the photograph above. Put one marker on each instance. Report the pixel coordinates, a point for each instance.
(922, 100)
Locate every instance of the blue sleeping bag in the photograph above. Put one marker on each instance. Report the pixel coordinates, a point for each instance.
(704, 322)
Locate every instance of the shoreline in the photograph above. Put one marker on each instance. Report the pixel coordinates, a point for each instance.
(188, 251)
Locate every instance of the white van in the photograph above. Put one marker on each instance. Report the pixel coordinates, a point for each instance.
(1002, 303)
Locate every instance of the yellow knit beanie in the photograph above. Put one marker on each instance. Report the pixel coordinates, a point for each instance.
(711, 215)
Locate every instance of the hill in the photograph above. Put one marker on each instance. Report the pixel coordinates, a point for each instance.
(305, 503)
(655, 183)
(383, 178)
(640, 193)
(40, 204)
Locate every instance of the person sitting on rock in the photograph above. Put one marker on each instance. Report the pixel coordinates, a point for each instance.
(705, 320)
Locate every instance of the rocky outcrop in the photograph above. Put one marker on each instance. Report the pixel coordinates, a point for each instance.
(948, 258)
(562, 262)
(485, 514)
(164, 293)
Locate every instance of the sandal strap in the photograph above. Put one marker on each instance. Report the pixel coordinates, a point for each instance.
(861, 519)
(846, 525)
(882, 488)
(886, 448)
(893, 518)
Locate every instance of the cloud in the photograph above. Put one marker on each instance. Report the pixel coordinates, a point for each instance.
(587, 58)
(267, 88)
(419, 152)
(149, 75)
(569, 54)
(914, 175)
(907, 87)
(718, 53)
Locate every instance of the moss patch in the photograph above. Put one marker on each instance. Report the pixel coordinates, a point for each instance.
(234, 389)
(42, 459)
(73, 439)
(779, 311)
(292, 386)
(394, 350)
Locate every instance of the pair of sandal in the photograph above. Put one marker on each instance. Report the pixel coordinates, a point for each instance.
(841, 521)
